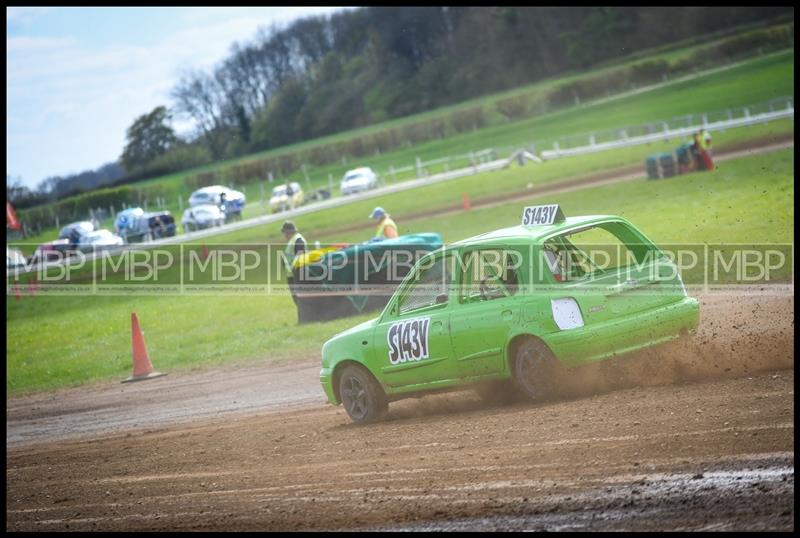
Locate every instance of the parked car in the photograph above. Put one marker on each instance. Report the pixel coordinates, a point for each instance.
(99, 239)
(74, 232)
(511, 310)
(230, 201)
(14, 258)
(358, 180)
(126, 220)
(150, 226)
(284, 197)
(202, 216)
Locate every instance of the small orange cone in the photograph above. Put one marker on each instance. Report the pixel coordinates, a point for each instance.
(204, 253)
(17, 293)
(142, 369)
(467, 205)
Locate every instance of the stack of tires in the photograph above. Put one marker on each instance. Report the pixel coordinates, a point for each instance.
(651, 165)
(684, 154)
(667, 162)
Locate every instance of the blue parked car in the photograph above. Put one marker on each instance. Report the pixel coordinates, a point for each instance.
(126, 220)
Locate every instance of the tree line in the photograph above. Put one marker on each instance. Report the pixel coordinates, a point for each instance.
(325, 74)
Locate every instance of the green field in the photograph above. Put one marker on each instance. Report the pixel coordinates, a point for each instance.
(753, 82)
(61, 341)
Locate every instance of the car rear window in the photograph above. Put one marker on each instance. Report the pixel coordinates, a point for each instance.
(593, 250)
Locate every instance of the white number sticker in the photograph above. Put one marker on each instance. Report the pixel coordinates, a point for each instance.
(408, 340)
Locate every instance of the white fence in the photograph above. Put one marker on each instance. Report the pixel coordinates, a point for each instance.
(785, 109)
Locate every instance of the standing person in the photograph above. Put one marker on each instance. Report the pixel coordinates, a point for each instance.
(387, 229)
(222, 204)
(289, 196)
(702, 141)
(295, 244)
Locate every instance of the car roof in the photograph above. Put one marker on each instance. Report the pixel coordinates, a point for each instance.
(97, 233)
(359, 170)
(526, 234)
(79, 224)
(213, 189)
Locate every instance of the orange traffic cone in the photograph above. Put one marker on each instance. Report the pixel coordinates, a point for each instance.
(142, 369)
(17, 293)
(204, 253)
(466, 204)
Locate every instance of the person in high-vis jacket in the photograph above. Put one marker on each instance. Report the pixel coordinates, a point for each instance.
(295, 245)
(702, 141)
(387, 229)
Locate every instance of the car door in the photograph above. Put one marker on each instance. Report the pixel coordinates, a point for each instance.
(486, 309)
(412, 339)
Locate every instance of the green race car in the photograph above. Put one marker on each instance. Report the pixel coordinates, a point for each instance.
(507, 307)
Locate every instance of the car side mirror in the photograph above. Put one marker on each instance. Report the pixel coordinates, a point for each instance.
(441, 298)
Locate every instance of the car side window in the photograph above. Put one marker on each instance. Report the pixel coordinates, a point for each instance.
(489, 274)
(430, 285)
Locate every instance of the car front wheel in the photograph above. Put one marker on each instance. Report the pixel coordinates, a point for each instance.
(361, 395)
(535, 369)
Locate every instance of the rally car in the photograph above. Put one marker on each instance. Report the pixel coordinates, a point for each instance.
(510, 307)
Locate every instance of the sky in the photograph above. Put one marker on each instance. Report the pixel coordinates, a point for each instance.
(77, 78)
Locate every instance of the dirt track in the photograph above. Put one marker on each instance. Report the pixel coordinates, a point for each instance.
(697, 435)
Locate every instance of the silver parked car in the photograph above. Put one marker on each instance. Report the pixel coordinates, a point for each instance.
(358, 180)
(202, 216)
(231, 201)
(99, 239)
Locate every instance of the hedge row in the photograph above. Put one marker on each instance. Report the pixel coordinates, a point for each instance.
(78, 207)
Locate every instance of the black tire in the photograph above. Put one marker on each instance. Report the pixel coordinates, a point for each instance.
(535, 370)
(501, 392)
(361, 395)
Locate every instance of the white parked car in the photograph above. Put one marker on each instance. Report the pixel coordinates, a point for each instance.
(99, 239)
(358, 180)
(282, 199)
(14, 258)
(202, 216)
(234, 200)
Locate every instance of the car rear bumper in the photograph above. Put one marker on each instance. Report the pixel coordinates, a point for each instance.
(637, 331)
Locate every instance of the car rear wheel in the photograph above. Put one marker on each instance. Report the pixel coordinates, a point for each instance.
(361, 395)
(535, 369)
